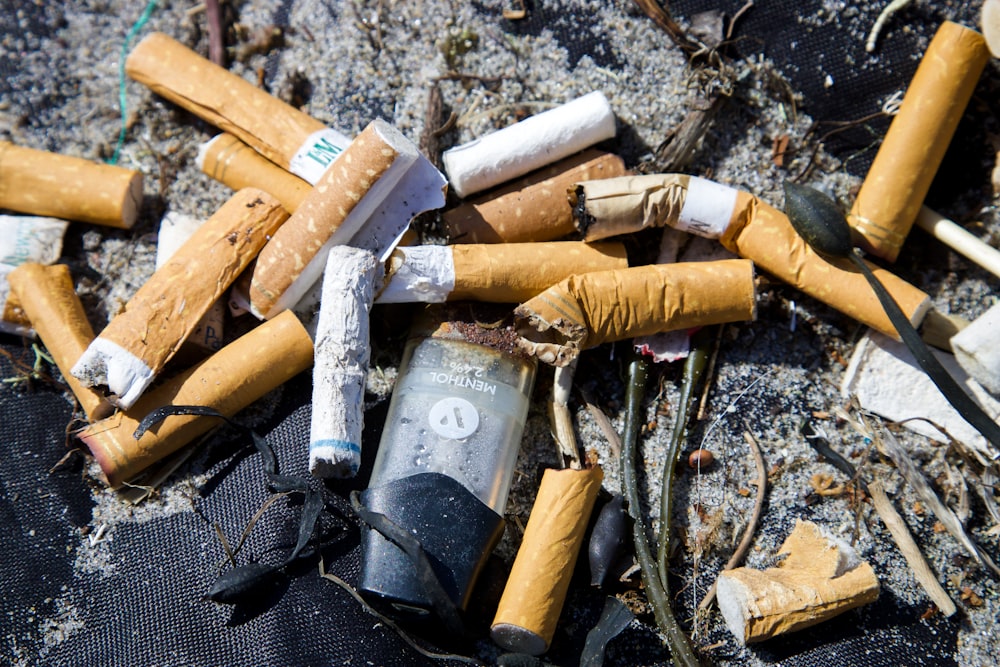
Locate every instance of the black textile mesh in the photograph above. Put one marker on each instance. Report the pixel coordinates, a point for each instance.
(147, 606)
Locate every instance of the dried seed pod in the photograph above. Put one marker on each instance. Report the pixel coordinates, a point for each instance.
(607, 541)
(701, 459)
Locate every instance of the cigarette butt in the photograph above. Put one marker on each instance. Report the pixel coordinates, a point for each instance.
(532, 143)
(819, 578)
(284, 135)
(341, 362)
(231, 162)
(906, 163)
(958, 239)
(626, 204)
(532, 208)
(350, 192)
(72, 188)
(56, 314)
(764, 234)
(536, 589)
(136, 344)
(588, 309)
(229, 380)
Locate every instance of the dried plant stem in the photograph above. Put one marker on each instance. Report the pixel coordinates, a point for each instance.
(680, 645)
(751, 529)
(560, 418)
(904, 540)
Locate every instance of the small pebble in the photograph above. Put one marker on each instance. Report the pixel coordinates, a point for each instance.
(701, 459)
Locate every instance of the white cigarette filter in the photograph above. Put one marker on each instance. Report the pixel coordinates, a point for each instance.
(977, 349)
(365, 199)
(819, 578)
(341, 361)
(532, 143)
(497, 273)
(138, 343)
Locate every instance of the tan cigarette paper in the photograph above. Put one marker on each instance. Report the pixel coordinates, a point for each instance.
(229, 380)
(231, 162)
(136, 344)
(593, 308)
(764, 234)
(360, 181)
(819, 578)
(906, 163)
(532, 208)
(628, 204)
(276, 130)
(536, 589)
(512, 273)
(72, 188)
(51, 304)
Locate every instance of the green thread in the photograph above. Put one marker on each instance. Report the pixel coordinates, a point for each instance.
(121, 74)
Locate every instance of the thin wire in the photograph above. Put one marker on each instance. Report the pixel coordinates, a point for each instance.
(136, 27)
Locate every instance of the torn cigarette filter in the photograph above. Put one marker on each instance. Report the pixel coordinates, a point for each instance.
(885, 379)
(534, 142)
(56, 314)
(228, 381)
(72, 188)
(533, 598)
(380, 172)
(24, 239)
(289, 138)
(498, 273)
(747, 226)
(531, 208)
(977, 349)
(341, 361)
(137, 344)
(231, 162)
(908, 159)
(819, 578)
(588, 309)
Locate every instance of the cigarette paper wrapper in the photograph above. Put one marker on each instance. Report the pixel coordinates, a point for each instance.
(231, 162)
(51, 304)
(137, 344)
(819, 578)
(901, 173)
(765, 235)
(588, 309)
(273, 128)
(532, 143)
(229, 380)
(532, 208)
(536, 589)
(627, 204)
(72, 188)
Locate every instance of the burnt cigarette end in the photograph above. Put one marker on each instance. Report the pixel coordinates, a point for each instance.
(578, 201)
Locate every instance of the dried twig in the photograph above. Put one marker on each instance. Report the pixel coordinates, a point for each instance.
(216, 33)
(908, 547)
(560, 418)
(751, 529)
(603, 423)
(661, 16)
(889, 10)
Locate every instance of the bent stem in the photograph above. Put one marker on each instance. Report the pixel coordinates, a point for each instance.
(952, 391)
(680, 645)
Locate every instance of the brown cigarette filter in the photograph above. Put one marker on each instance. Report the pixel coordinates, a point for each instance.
(71, 188)
(56, 314)
(765, 235)
(295, 251)
(273, 128)
(593, 308)
(906, 163)
(536, 589)
(512, 273)
(229, 380)
(819, 578)
(231, 162)
(137, 344)
(532, 208)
